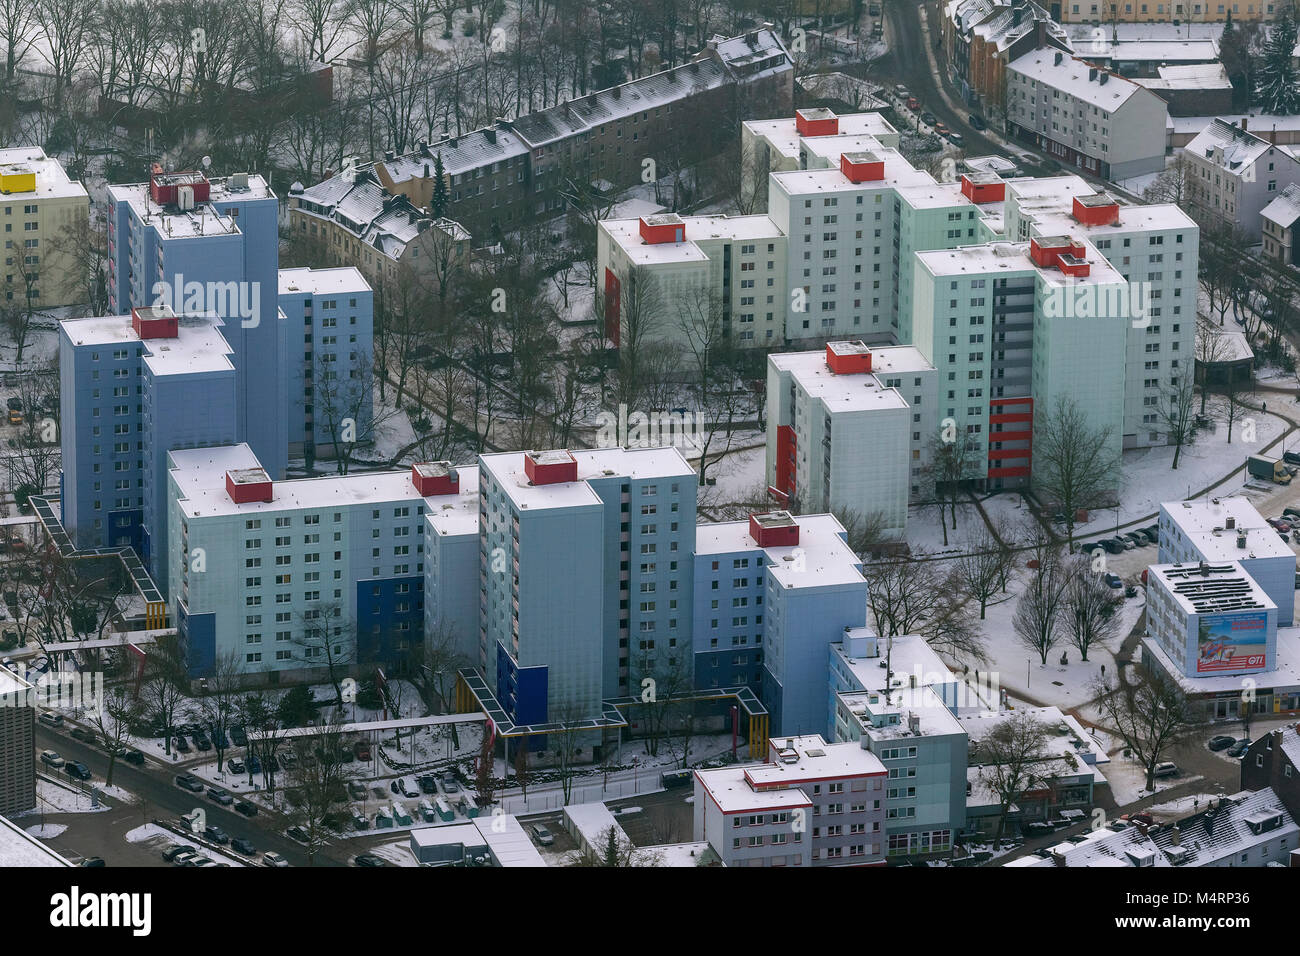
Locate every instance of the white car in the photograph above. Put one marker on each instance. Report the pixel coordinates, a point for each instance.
(271, 858)
(51, 759)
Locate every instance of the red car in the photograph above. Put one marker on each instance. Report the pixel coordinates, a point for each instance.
(941, 129)
(362, 750)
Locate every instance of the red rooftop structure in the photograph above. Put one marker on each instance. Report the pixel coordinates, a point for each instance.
(983, 187)
(248, 484)
(848, 358)
(164, 188)
(1063, 252)
(550, 467)
(665, 227)
(816, 122)
(1099, 209)
(435, 478)
(776, 529)
(155, 323)
(862, 167)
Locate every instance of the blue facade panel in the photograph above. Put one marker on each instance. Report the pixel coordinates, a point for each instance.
(390, 618)
(198, 633)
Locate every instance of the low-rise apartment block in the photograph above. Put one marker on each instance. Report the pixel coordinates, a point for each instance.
(1234, 174)
(42, 210)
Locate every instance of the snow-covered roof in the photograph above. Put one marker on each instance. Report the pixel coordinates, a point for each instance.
(783, 137)
(1285, 209)
(1072, 77)
(1140, 50)
(1204, 525)
(18, 849)
(820, 559)
(1197, 76)
(200, 475)
(904, 712)
(626, 234)
(642, 463)
(991, 257)
(199, 345)
(853, 392)
(308, 281)
(387, 222)
(1229, 826)
(1210, 589)
(1228, 146)
(52, 180)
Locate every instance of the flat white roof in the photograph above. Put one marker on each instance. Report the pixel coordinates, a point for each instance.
(639, 463)
(784, 138)
(991, 257)
(860, 391)
(456, 514)
(898, 173)
(731, 791)
(202, 220)
(319, 281)
(627, 234)
(18, 849)
(1203, 523)
(821, 558)
(933, 718)
(809, 757)
(200, 474)
(199, 345)
(52, 180)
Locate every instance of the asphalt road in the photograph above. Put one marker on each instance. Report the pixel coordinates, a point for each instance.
(153, 784)
(908, 63)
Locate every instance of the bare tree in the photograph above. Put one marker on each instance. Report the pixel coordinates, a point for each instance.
(1011, 760)
(1178, 412)
(18, 30)
(315, 786)
(1074, 461)
(864, 533)
(166, 683)
(1230, 405)
(1211, 347)
(111, 724)
(1172, 185)
(323, 640)
(951, 460)
(981, 568)
(1037, 619)
(68, 30)
(1149, 712)
(1090, 608)
(902, 595)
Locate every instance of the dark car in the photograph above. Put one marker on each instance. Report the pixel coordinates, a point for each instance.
(254, 764)
(202, 743)
(977, 122)
(77, 770)
(1221, 742)
(135, 757)
(1290, 513)
(356, 789)
(1038, 829)
(427, 783)
(369, 859)
(238, 736)
(93, 861)
(187, 781)
(80, 733)
(1114, 581)
(173, 850)
(1112, 545)
(297, 833)
(1153, 532)
(1239, 749)
(243, 846)
(182, 744)
(928, 118)
(246, 808)
(1291, 457)
(220, 795)
(216, 834)
(957, 139)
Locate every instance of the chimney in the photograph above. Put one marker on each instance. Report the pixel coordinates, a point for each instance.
(1241, 540)
(1176, 836)
(1103, 79)
(1244, 120)
(1230, 522)
(1059, 56)
(1092, 74)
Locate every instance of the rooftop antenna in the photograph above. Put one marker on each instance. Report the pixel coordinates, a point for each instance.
(889, 668)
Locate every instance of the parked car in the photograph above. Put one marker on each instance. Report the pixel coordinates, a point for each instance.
(356, 789)
(362, 750)
(220, 795)
(1278, 524)
(271, 858)
(298, 834)
(133, 757)
(77, 770)
(913, 103)
(216, 834)
(238, 737)
(1114, 581)
(1138, 538)
(1127, 544)
(240, 845)
(977, 122)
(941, 128)
(449, 783)
(1153, 532)
(51, 719)
(1221, 742)
(51, 759)
(1038, 828)
(187, 781)
(428, 783)
(187, 858)
(1112, 545)
(957, 139)
(542, 835)
(369, 859)
(173, 850)
(928, 118)
(202, 743)
(1291, 514)
(235, 765)
(245, 808)
(1239, 749)
(1166, 769)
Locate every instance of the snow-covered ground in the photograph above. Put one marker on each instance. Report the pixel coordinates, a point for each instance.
(46, 831)
(1127, 779)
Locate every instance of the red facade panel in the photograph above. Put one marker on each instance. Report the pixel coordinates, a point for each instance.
(613, 321)
(786, 447)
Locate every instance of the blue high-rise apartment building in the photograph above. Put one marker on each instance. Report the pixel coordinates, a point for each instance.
(131, 387)
(200, 245)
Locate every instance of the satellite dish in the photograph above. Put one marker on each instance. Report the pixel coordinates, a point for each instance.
(207, 161)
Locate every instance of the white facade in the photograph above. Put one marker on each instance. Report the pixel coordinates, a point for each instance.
(1235, 174)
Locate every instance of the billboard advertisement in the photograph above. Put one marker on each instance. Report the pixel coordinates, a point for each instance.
(1231, 642)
